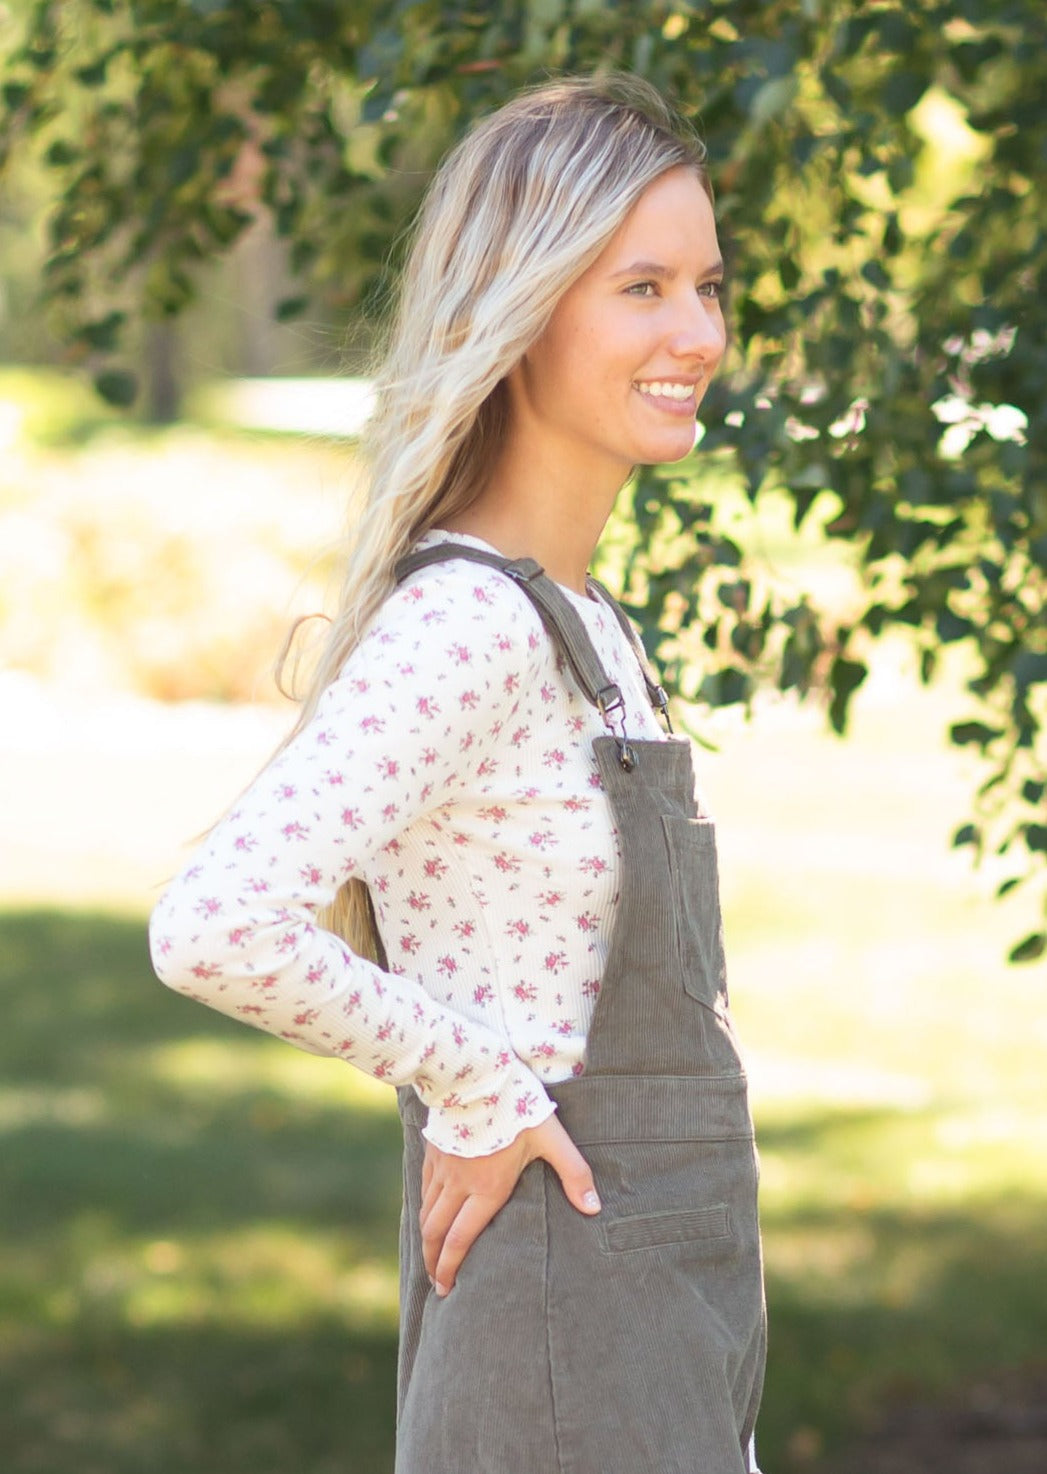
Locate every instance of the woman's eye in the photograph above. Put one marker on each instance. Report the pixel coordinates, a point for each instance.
(711, 289)
(642, 289)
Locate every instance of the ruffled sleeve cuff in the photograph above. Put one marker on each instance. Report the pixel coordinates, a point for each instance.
(486, 1123)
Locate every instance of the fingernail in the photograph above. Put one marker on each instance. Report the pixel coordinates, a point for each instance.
(591, 1201)
(439, 1288)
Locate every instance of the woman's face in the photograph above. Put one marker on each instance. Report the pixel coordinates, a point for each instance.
(616, 378)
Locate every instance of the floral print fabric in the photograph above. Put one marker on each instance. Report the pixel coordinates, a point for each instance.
(450, 767)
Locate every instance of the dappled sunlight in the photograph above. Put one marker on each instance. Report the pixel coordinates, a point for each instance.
(224, 1070)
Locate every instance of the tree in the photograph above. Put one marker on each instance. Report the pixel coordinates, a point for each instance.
(890, 336)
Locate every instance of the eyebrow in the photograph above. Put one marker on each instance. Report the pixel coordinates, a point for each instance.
(663, 273)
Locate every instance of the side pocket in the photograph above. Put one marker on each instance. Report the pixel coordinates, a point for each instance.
(655, 1230)
(696, 893)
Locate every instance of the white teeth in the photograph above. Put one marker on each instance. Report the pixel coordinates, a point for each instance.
(656, 389)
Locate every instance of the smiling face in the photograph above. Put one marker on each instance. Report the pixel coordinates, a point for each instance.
(616, 378)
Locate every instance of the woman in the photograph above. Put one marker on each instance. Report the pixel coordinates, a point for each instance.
(481, 800)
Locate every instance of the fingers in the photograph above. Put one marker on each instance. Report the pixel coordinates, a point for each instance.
(471, 1220)
(574, 1172)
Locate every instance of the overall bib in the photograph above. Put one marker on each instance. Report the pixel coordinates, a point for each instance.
(632, 1342)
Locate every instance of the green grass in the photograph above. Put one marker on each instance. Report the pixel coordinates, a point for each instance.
(198, 1232)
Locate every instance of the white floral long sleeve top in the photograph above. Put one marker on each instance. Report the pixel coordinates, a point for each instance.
(450, 767)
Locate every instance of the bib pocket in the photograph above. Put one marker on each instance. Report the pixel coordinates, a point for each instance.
(696, 897)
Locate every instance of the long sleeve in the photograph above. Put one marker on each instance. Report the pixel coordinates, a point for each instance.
(407, 730)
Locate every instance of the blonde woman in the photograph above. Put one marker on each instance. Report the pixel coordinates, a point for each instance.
(478, 868)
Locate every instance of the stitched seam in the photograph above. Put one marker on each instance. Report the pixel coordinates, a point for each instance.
(548, 1334)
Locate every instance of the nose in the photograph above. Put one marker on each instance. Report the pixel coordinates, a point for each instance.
(698, 329)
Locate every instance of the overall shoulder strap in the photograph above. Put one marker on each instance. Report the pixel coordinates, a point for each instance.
(558, 615)
(655, 690)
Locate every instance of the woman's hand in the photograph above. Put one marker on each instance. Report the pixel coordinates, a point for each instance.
(460, 1195)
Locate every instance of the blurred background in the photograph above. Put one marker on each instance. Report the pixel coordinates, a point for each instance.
(201, 212)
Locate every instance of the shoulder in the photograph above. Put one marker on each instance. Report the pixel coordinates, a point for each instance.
(457, 600)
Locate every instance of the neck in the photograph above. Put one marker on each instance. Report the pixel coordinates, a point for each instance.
(544, 509)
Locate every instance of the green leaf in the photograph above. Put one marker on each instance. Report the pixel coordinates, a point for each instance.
(963, 734)
(845, 676)
(117, 387)
(290, 307)
(1029, 950)
(966, 834)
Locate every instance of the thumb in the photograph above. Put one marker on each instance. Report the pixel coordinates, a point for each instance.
(575, 1174)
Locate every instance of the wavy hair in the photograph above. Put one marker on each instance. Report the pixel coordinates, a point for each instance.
(517, 211)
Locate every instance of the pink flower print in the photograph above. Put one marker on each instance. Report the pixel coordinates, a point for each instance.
(259, 886)
(587, 921)
(483, 994)
(373, 724)
(458, 1034)
(389, 812)
(493, 814)
(208, 906)
(487, 768)
(307, 1016)
(206, 970)
(346, 1046)
(577, 805)
(384, 1068)
(464, 929)
(565, 1026)
(512, 680)
(334, 779)
(576, 724)
(468, 701)
(463, 1132)
(520, 736)
(386, 1030)
(532, 640)
(481, 595)
(419, 901)
(380, 883)
(463, 1073)
(526, 1103)
(388, 767)
(325, 737)
(555, 961)
(594, 865)
(165, 944)
(502, 1058)
(547, 692)
(295, 830)
(435, 869)
(409, 943)
(286, 791)
(360, 685)
(460, 654)
(550, 899)
(245, 843)
(427, 707)
(351, 818)
(541, 840)
(252, 1008)
(506, 863)
(426, 792)
(352, 1003)
(591, 988)
(447, 965)
(316, 973)
(578, 1068)
(414, 592)
(428, 756)
(519, 928)
(311, 874)
(554, 758)
(525, 992)
(595, 781)
(544, 1050)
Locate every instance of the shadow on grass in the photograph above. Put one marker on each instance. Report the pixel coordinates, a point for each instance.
(196, 1276)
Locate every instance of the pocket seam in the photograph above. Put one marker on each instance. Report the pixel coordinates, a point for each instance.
(678, 1226)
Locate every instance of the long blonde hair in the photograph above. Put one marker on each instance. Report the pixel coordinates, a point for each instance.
(515, 214)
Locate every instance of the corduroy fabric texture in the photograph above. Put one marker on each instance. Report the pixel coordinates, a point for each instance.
(632, 1342)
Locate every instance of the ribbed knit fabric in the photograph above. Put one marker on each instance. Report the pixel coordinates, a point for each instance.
(451, 767)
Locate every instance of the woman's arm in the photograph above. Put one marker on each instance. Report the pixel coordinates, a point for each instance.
(409, 724)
